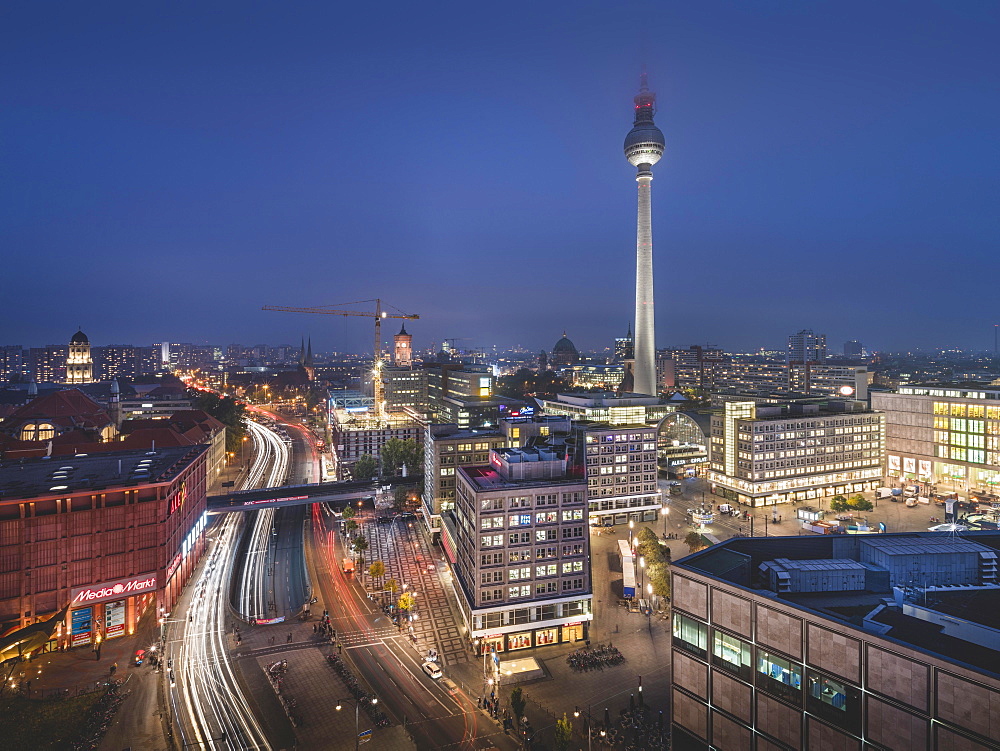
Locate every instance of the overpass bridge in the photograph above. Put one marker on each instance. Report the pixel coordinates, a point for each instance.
(295, 495)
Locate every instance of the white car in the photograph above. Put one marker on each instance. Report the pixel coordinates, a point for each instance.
(948, 528)
(432, 670)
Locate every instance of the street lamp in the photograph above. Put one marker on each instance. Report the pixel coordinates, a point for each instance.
(664, 512)
(642, 570)
(357, 705)
(631, 526)
(576, 713)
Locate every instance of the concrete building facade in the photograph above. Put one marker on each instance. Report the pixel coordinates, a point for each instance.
(833, 643)
(519, 547)
(764, 455)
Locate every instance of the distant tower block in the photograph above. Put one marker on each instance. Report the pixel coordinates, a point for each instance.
(403, 353)
(643, 148)
(79, 363)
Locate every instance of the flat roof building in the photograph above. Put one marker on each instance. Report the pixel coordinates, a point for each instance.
(108, 533)
(882, 641)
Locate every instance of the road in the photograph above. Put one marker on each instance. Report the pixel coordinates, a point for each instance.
(205, 696)
(387, 660)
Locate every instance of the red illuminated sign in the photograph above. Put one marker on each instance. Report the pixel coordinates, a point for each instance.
(117, 589)
(495, 460)
(179, 498)
(276, 500)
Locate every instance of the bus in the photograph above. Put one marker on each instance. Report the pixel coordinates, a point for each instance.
(628, 568)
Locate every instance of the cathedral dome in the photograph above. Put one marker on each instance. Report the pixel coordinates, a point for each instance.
(564, 353)
(79, 338)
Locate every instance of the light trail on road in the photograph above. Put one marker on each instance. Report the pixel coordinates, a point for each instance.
(210, 705)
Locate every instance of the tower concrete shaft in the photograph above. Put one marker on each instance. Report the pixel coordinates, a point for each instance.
(643, 148)
(645, 339)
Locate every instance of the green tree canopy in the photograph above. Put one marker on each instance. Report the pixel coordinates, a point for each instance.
(365, 468)
(392, 585)
(563, 733)
(226, 410)
(376, 570)
(859, 503)
(517, 703)
(396, 452)
(348, 512)
(694, 542)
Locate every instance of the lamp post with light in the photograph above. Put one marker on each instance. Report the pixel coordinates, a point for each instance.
(664, 512)
(631, 526)
(576, 713)
(357, 717)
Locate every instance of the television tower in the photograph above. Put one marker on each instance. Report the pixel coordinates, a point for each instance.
(643, 149)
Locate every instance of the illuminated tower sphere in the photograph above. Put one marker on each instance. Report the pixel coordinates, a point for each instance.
(643, 149)
(79, 364)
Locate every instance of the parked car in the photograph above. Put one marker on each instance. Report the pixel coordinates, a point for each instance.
(432, 670)
(948, 528)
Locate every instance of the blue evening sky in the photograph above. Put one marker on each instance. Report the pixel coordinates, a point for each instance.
(168, 168)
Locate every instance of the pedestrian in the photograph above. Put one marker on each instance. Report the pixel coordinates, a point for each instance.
(114, 667)
(289, 639)
(270, 640)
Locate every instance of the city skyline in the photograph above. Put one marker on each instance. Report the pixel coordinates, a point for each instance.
(826, 168)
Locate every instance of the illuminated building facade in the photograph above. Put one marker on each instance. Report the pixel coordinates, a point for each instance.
(947, 434)
(79, 363)
(837, 642)
(620, 468)
(519, 546)
(624, 409)
(764, 455)
(111, 534)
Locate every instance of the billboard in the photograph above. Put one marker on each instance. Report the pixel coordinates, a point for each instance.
(81, 624)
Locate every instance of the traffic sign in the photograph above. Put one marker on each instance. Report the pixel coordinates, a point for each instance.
(364, 736)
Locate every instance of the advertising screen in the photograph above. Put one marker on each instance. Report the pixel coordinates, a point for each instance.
(82, 621)
(114, 619)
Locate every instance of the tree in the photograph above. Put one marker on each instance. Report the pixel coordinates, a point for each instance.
(226, 410)
(694, 542)
(406, 601)
(376, 570)
(517, 703)
(350, 526)
(348, 512)
(838, 503)
(400, 496)
(365, 468)
(859, 503)
(395, 453)
(360, 545)
(392, 586)
(564, 733)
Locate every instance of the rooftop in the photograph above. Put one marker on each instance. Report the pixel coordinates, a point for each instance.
(67, 474)
(934, 592)
(487, 478)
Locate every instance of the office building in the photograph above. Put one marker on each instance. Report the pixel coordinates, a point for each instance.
(806, 346)
(597, 376)
(643, 148)
(619, 463)
(519, 547)
(837, 642)
(942, 434)
(110, 534)
(446, 448)
(696, 367)
(761, 455)
(624, 409)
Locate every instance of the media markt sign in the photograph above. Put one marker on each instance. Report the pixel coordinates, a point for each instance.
(364, 736)
(115, 590)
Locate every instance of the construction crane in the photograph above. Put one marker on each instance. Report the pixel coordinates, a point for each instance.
(378, 315)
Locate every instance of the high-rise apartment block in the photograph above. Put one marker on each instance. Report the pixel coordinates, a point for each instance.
(837, 642)
(786, 453)
(947, 434)
(519, 545)
(48, 364)
(806, 346)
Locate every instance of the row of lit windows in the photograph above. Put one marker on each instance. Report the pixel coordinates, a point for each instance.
(966, 410)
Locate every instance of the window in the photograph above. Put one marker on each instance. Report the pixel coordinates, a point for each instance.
(516, 574)
(691, 635)
(542, 535)
(519, 520)
(546, 517)
(491, 559)
(491, 577)
(522, 591)
(520, 538)
(832, 700)
(491, 541)
(517, 556)
(491, 522)
(547, 570)
(778, 675)
(731, 653)
(547, 588)
(569, 568)
(574, 515)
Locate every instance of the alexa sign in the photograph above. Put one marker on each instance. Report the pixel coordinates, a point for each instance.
(116, 590)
